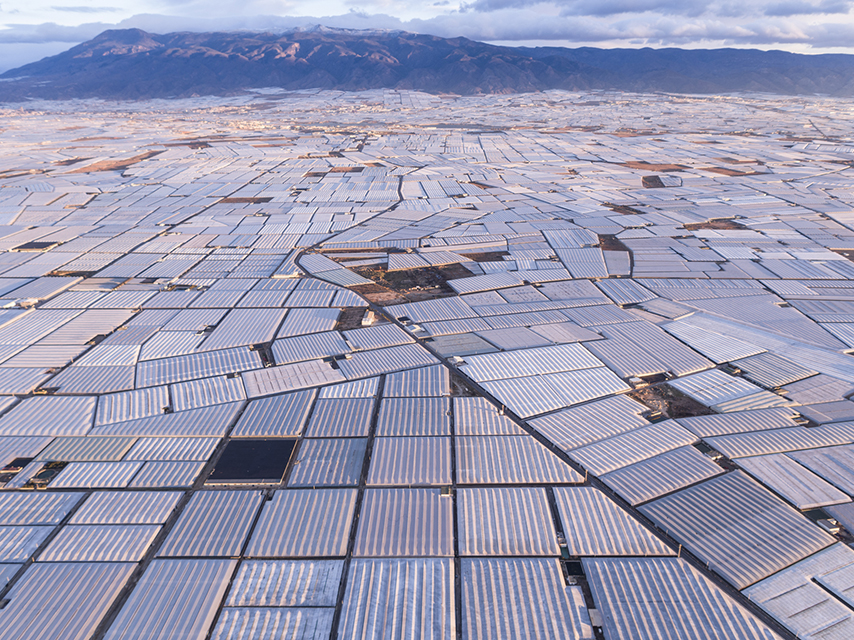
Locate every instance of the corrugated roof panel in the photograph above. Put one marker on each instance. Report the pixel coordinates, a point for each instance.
(12, 447)
(740, 421)
(834, 464)
(410, 461)
(714, 346)
(28, 328)
(414, 417)
(328, 462)
(527, 362)
(173, 599)
(628, 448)
(127, 507)
(487, 282)
(87, 326)
(392, 359)
(100, 543)
(286, 583)
(794, 483)
(449, 327)
(574, 387)
(577, 426)
(21, 380)
(340, 418)
(509, 460)
(93, 380)
(426, 381)
(714, 386)
(595, 526)
(377, 337)
(206, 391)
(493, 609)
(167, 344)
(7, 572)
(726, 522)
(173, 449)
(77, 594)
(514, 338)
(109, 355)
(304, 523)
(130, 405)
(278, 416)
(783, 440)
(191, 319)
(87, 449)
(804, 597)
(151, 373)
(95, 475)
(261, 624)
(526, 396)
(255, 299)
(167, 474)
(18, 544)
(122, 299)
(627, 359)
(171, 299)
(36, 508)
(214, 299)
(759, 400)
(207, 421)
(40, 356)
(357, 389)
(214, 523)
(668, 599)
(310, 347)
(398, 598)
(310, 298)
(50, 416)
(479, 417)
(405, 522)
(819, 388)
(300, 322)
(289, 377)
(770, 370)
(661, 474)
(657, 345)
(505, 521)
(624, 291)
(598, 315)
(561, 332)
(433, 310)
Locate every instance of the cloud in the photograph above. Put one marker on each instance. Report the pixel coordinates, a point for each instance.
(708, 23)
(85, 9)
(796, 8)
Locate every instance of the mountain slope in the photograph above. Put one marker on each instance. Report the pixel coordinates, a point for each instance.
(133, 64)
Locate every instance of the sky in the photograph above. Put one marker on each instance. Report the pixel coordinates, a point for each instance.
(32, 29)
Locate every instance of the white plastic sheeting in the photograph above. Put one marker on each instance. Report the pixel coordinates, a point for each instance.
(78, 594)
(726, 522)
(302, 523)
(397, 598)
(666, 598)
(493, 609)
(405, 522)
(173, 599)
(505, 521)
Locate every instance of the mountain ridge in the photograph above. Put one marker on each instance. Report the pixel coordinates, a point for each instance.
(131, 64)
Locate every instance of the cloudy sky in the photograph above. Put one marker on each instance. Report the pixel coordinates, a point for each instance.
(32, 29)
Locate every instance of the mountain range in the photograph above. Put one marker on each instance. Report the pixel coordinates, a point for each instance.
(131, 64)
